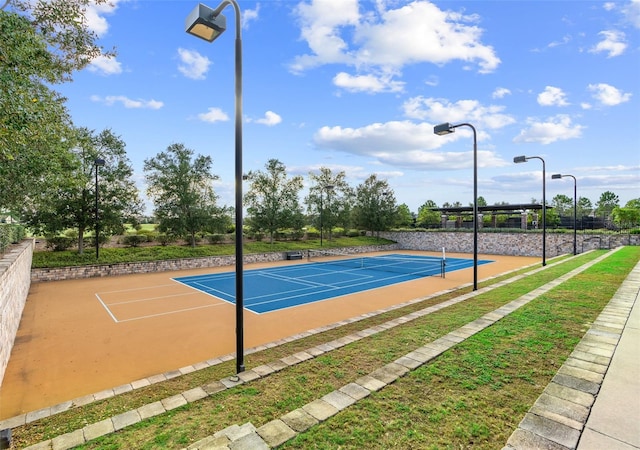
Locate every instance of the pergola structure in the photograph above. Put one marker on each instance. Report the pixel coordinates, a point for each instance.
(521, 209)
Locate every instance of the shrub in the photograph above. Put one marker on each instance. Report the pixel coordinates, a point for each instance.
(353, 233)
(60, 243)
(134, 240)
(215, 238)
(165, 239)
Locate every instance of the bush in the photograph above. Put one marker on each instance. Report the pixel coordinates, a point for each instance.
(353, 233)
(60, 243)
(215, 238)
(165, 239)
(10, 234)
(134, 240)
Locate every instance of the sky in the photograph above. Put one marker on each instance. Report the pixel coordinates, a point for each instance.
(357, 86)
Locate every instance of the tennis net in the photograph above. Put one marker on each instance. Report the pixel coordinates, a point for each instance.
(407, 264)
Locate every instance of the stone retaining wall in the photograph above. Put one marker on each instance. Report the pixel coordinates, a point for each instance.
(15, 269)
(105, 270)
(513, 244)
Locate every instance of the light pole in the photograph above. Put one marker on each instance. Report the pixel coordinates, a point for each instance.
(208, 24)
(98, 162)
(521, 159)
(326, 187)
(447, 128)
(556, 176)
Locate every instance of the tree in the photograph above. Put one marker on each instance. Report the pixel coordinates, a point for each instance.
(563, 205)
(63, 27)
(35, 129)
(404, 217)
(627, 216)
(375, 204)
(585, 207)
(180, 184)
(427, 217)
(71, 202)
(607, 202)
(272, 200)
(330, 199)
(43, 42)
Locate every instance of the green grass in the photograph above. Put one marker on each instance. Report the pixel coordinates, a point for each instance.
(48, 259)
(472, 396)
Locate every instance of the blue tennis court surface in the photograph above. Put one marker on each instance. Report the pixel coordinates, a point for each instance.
(271, 289)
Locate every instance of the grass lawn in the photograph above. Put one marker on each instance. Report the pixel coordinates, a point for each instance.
(472, 396)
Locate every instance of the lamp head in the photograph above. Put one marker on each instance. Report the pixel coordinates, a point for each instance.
(99, 162)
(520, 159)
(443, 128)
(203, 23)
(556, 176)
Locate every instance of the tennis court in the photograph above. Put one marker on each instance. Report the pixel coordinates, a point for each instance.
(81, 336)
(330, 275)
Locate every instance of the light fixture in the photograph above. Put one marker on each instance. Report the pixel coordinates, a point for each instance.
(522, 159)
(447, 128)
(206, 23)
(98, 162)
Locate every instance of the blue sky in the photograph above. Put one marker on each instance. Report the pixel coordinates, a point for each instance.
(357, 86)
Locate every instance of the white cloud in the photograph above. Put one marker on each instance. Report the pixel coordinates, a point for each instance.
(632, 12)
(609, 6)
(94, 16)
(552, 96)
(440, 110)
(194, 65)
(500, 92)
(401, 144)
(270, 119)
(105, 66)
(337, 33)
(367, 83)
(128, 103)
(556, 128)
(250, 15)
(608, 95)
(612, 43)
(213, 115)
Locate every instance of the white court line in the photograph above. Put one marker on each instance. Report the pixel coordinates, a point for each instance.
(151, 298)
(106, 308)
(138, 289)
(169, 312)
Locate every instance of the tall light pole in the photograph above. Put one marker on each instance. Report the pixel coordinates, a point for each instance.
(556, 176)
(98, 162)
(521, 159)
(208, 24)
(326, 187)
(447, 128)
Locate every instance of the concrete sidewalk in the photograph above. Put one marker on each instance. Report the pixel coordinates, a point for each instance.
(593, 402)
(614, 422)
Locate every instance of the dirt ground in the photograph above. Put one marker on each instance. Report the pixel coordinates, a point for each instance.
(79, 337)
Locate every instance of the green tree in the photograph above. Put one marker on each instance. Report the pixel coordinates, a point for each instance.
(427, 217)
(330, 199)
(35, 129)
(585, 207)
(43, 43)
(375, 205)
(404, 217)
(606, 204)
(272, 200)
(71, 202)
(627, 216)
(180, 184)
(563, 205)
